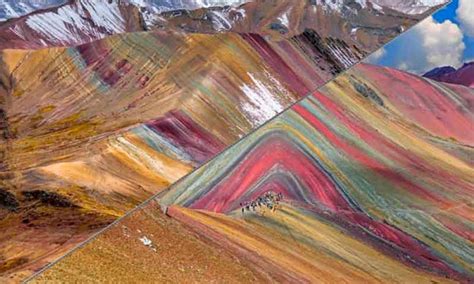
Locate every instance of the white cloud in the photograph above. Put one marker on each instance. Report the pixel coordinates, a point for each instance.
(428, 45)
(465, 15)
(403, 65)
(376, 56)
(442, 41)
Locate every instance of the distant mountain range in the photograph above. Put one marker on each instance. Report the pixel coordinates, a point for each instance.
(448, 74)
(10, 9)
(71, 23)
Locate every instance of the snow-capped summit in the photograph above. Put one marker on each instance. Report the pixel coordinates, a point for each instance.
(10, 9)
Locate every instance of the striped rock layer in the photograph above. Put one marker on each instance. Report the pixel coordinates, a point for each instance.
(103, 126)
(387, 168)
(373, 190)
(106, 125)
(91, 128)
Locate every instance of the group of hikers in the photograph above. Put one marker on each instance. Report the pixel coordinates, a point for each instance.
(270, 200)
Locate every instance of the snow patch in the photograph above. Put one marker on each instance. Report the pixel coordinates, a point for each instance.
(70, 23)
(412, 7)
(262, 104)
(220, 22)
(284, 19)
(10, 9)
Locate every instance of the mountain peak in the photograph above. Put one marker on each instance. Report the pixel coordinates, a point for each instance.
(439, 71)
(448, 74)
(73, 22)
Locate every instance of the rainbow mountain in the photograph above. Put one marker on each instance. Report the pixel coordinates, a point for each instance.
(376, 185)
(100, 111)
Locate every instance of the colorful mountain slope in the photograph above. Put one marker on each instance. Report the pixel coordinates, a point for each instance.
(91, 131)
(108, 124)
(354, 155)
(370, 191)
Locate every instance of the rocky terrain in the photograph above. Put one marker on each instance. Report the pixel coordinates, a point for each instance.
(155, 240)
(102, 107)
(11, 9)
(360, 23)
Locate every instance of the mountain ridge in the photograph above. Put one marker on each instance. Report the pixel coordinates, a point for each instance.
(464, 75)
(82, 21)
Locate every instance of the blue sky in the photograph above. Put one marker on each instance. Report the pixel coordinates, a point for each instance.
(449, 13)
(446, 38)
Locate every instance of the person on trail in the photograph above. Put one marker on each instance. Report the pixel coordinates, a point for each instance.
(254, 205)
